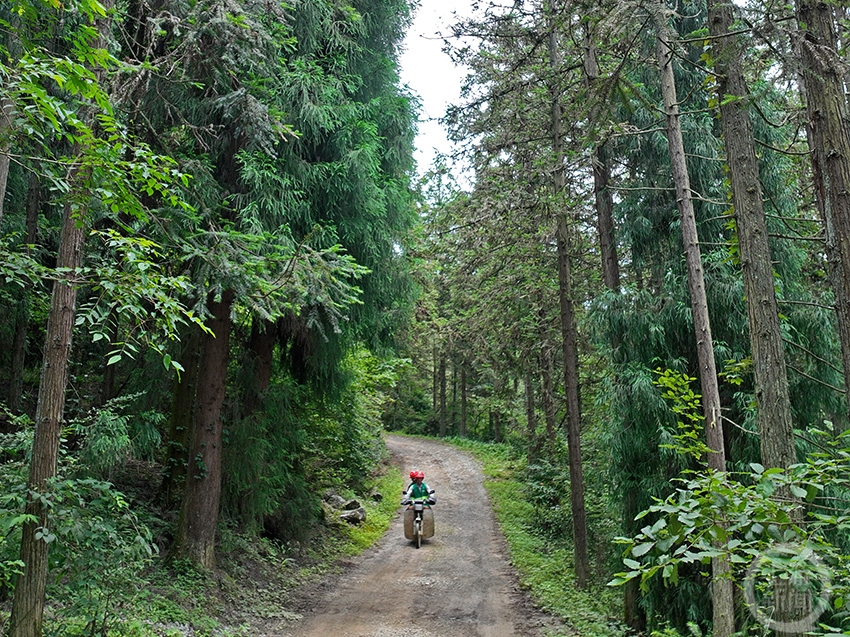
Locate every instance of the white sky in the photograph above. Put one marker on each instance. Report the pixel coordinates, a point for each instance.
(431, 75)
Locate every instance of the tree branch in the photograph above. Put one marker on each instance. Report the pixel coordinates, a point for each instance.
(813, 355)
(815, 380)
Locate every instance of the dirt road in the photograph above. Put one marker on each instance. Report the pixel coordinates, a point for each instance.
(458, 584)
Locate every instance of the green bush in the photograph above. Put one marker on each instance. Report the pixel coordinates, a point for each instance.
(110, 436)
(548, 490)
(99, 548)
(344, 443)
(278, 460)
(748, 519)
(266, 486)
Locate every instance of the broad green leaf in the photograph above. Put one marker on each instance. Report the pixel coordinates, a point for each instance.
(642, 549)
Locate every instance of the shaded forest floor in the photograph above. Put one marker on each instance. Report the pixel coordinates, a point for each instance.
(258, 585)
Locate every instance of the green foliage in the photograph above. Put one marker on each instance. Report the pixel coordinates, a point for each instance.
(16, 448)
(110, 435)
(548, 491)
(68, 132)
(344, 442)
(278, 459)
(266, 486)
(693, 631)
(769, 524)
(99, 546)
(409, 404)
(129, 279)
(176, 600)
(685, 403)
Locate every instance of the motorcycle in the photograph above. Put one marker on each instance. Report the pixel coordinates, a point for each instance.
(419, 518)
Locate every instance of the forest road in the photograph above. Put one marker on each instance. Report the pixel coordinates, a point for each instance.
(459, 584)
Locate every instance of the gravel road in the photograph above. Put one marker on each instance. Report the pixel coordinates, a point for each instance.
(459, 584)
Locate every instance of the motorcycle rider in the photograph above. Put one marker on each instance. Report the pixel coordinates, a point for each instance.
(418, 489)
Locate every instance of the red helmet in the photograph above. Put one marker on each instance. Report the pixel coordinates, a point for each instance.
(416, 474)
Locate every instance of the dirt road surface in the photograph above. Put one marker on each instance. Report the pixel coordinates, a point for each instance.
(459, 584)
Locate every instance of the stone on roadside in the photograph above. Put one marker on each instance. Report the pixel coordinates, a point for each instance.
(351, 505)
(354, 516)
(335, 501)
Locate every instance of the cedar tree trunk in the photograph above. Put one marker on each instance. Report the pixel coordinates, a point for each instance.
(19, 344)
(569, 339)
(180, 422)
(6, 109)
(28, 603)
(435, 377)
(546, 396)
(261, 347)
(771, 380)
(829, 141)
(530, 416)
(722, 590)
(463, 398)
(195, 538)
(603, 195)
(442, 395)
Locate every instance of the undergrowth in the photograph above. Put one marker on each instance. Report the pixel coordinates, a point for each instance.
(254, 585)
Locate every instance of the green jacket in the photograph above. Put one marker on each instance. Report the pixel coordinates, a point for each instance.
(415, 491)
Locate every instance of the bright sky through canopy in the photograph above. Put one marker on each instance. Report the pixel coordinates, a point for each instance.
(431, 74)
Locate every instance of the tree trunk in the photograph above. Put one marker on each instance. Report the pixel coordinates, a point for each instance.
(722, 585)
(603, 195)
(605, 218)
(463, 401)
(28, 603)
(633, 614)
(569, 339)
(571, 388)
(547, 396)
(261, 346)
(180, 422)
(19, 353)
(771, 380)
(690, 241)
(195, 538)
(435, 377)
(6, 109)
(530, 416)
(19, 345)
(604, 200)
(453, 422)
(829, 141)
(442, 396)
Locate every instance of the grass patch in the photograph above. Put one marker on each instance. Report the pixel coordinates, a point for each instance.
(545, 569)
(379, 514)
